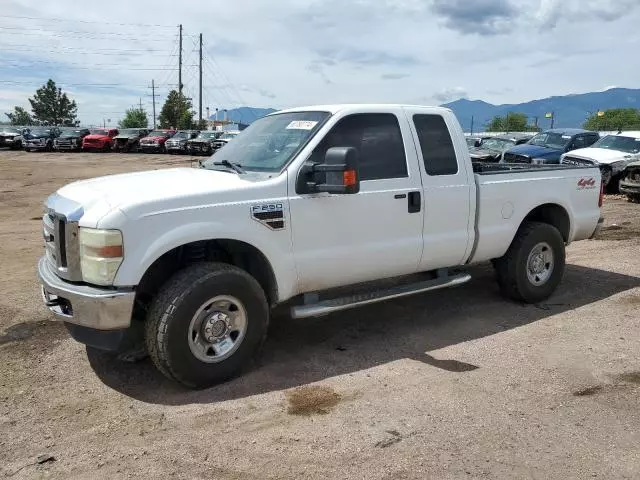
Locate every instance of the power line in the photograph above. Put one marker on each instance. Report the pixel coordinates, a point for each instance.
(47, 19)
(85, 36)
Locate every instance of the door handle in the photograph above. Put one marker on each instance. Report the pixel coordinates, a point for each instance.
(415, 203)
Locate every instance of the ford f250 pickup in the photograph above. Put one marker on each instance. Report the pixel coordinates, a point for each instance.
(302, 202)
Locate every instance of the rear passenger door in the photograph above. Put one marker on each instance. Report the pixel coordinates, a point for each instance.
(376, 233)
(447, 182)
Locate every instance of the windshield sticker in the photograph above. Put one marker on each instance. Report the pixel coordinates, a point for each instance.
(566, 137)
(301, 125)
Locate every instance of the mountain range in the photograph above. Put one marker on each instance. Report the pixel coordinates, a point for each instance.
(569, 110)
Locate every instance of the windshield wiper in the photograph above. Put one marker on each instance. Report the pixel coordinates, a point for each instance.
(236, 167)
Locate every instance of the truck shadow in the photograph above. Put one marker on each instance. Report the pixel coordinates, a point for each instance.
(299, 352)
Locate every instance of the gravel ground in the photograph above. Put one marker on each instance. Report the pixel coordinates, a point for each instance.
(455, 384)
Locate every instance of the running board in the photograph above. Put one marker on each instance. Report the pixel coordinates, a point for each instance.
(326, 307)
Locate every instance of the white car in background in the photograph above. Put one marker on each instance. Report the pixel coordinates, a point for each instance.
(612, 153)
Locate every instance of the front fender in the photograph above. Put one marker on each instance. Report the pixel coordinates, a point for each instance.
(146, 244)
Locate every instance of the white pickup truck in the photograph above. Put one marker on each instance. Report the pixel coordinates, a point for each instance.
(301, 202)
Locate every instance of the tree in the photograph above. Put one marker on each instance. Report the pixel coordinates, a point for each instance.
(52, 107)
(513, 122)
(134, 118)
(202, 124)
(176, 112)
(614, 119)
(19, 116)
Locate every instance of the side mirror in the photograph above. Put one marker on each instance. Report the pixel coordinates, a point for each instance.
(341, 168)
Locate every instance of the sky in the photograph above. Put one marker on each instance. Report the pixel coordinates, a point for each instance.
(288, 53)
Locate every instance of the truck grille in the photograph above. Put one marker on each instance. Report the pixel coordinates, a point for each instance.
(61, 245)
(516, 158)
(580, 162)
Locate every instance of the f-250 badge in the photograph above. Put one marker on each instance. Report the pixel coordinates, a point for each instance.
(269, 214)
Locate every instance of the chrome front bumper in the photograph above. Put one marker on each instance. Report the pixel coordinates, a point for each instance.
(91, 307)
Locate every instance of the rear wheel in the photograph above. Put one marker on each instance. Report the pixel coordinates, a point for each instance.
(533, 266)
(206, 324)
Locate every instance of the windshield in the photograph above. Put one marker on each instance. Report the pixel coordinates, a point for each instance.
(269, 143)
(40, 131)
(208, 135)
(129, 131)
(9, 130)
(616, 142)
(181, 135)
(551, 140)
(497, 144)
(98, 131)
(158, 133)
(228, 136)
(71, 133)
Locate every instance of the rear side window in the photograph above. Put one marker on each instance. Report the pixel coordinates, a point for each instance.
(377, 138)
(435, 142)
(579, 142)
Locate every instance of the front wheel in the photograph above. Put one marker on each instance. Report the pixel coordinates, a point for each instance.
(533, 267)
(206, 324)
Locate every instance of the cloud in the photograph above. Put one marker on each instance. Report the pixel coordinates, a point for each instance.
(394, 76)
(551, 12)
(449, 94)
(366, 57)
(482, 17)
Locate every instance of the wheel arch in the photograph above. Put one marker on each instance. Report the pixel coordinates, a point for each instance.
(230, 251)
(553, 214)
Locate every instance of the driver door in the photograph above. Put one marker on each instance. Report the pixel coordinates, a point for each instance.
(376, 233)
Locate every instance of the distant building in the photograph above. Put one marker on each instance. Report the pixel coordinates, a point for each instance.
(225, 125)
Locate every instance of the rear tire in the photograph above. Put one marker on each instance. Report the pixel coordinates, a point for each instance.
(201, 299)
(533, 267)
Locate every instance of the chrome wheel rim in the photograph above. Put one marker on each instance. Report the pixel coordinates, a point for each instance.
(540, 264)
(217, 329)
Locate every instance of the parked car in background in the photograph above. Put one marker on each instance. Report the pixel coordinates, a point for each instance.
(491, 149)
(178, 143)
(630, 182)
(70, 139)
(547, 147)
(203, 143)
(128, 139)
(155, 141)
(10, 137)
(40, 138)
(225, 138)
(611, 153)
(99, 139)
(475, 141)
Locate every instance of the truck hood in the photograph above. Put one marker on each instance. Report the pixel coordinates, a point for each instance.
(604, 156)
(97, 137)
(536, 151)
(148, 192)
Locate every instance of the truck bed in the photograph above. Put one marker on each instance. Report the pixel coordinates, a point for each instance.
(507, 193)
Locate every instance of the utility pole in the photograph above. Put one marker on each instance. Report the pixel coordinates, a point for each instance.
(140, 103)
(153, 94)
(180, 63)
(553, 118)
(472, 124)
(200, 96)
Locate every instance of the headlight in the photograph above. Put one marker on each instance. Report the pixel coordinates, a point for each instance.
(101, 253)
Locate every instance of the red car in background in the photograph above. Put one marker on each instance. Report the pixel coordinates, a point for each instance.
(154, 142)
(99, 139)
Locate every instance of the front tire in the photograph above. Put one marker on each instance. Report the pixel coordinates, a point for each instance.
(206, 324)
(533, 267)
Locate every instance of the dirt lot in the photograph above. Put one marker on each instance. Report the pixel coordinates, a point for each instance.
(455, 384)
